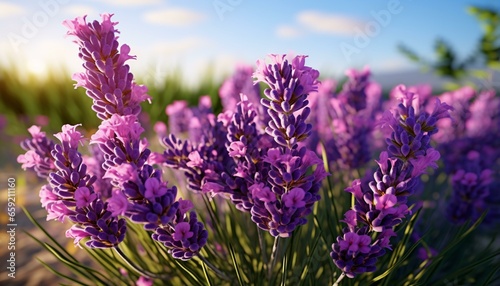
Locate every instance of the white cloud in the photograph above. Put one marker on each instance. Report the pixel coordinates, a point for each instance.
(285, 31)
(328, 23)
(175, 17)
(10, 10)
(131, 2)
(78, 10)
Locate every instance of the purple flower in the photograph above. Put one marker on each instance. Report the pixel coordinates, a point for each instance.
(352, 242)
(261, 192)
(237, 149)
(358, 93)
(240, 82)
(381, 204)
(154, 189)
(118, 203)
(185, 238)
(98, 224)
(182, 231)
(70, 135)
(471, 190)
(294, 198)
(38, 153)
(354, 253)
(84, 197)
(289, 84)
(106, 78)
(277, 181)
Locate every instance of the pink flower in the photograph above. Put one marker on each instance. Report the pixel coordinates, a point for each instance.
(194, 160)
(29, 160)
(125, 127)
(143, 281)
(77, 233)
(84, 197)
(70, 135)
(160, 129)
(35, 132)
(154, 189)
(118, 203)
(211, 187)
(121, 173)
(237, 149)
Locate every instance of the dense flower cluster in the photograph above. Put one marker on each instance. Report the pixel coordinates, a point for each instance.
(106, 78)
(382, 204)
(261, 154)
(344, 121)
(125, 184)
(470, 145)
(265, 173)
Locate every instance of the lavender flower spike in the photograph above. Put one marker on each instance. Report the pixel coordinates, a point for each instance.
(381, 206)
(73, 193)
(106, 78)
(289, 84)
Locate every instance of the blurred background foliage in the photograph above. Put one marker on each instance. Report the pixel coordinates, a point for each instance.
(26, 99)
(479, 67)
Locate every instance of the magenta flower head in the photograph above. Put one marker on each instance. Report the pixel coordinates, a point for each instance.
(38, 153)
(106, 78)
(73, 196)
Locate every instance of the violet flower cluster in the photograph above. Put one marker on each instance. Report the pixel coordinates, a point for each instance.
(70, 192)
(381, 204)
(344, 121)
(470, 154)
(127, 184)
(269, 174)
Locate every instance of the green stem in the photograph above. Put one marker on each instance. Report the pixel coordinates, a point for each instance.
(262, 243)
(214, 269)
(276, 246)
(137, 269)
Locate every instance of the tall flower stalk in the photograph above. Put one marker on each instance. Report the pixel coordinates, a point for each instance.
(381, 205)
(128, 184)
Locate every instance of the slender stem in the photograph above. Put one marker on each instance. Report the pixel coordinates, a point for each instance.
(214, 269)
(276, 246)
(339, 279)
(137, 269)
(262, 243)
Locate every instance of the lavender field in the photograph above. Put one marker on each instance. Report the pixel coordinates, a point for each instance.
(276, 174)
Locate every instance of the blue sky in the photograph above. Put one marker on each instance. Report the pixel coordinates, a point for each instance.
(192, 34)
